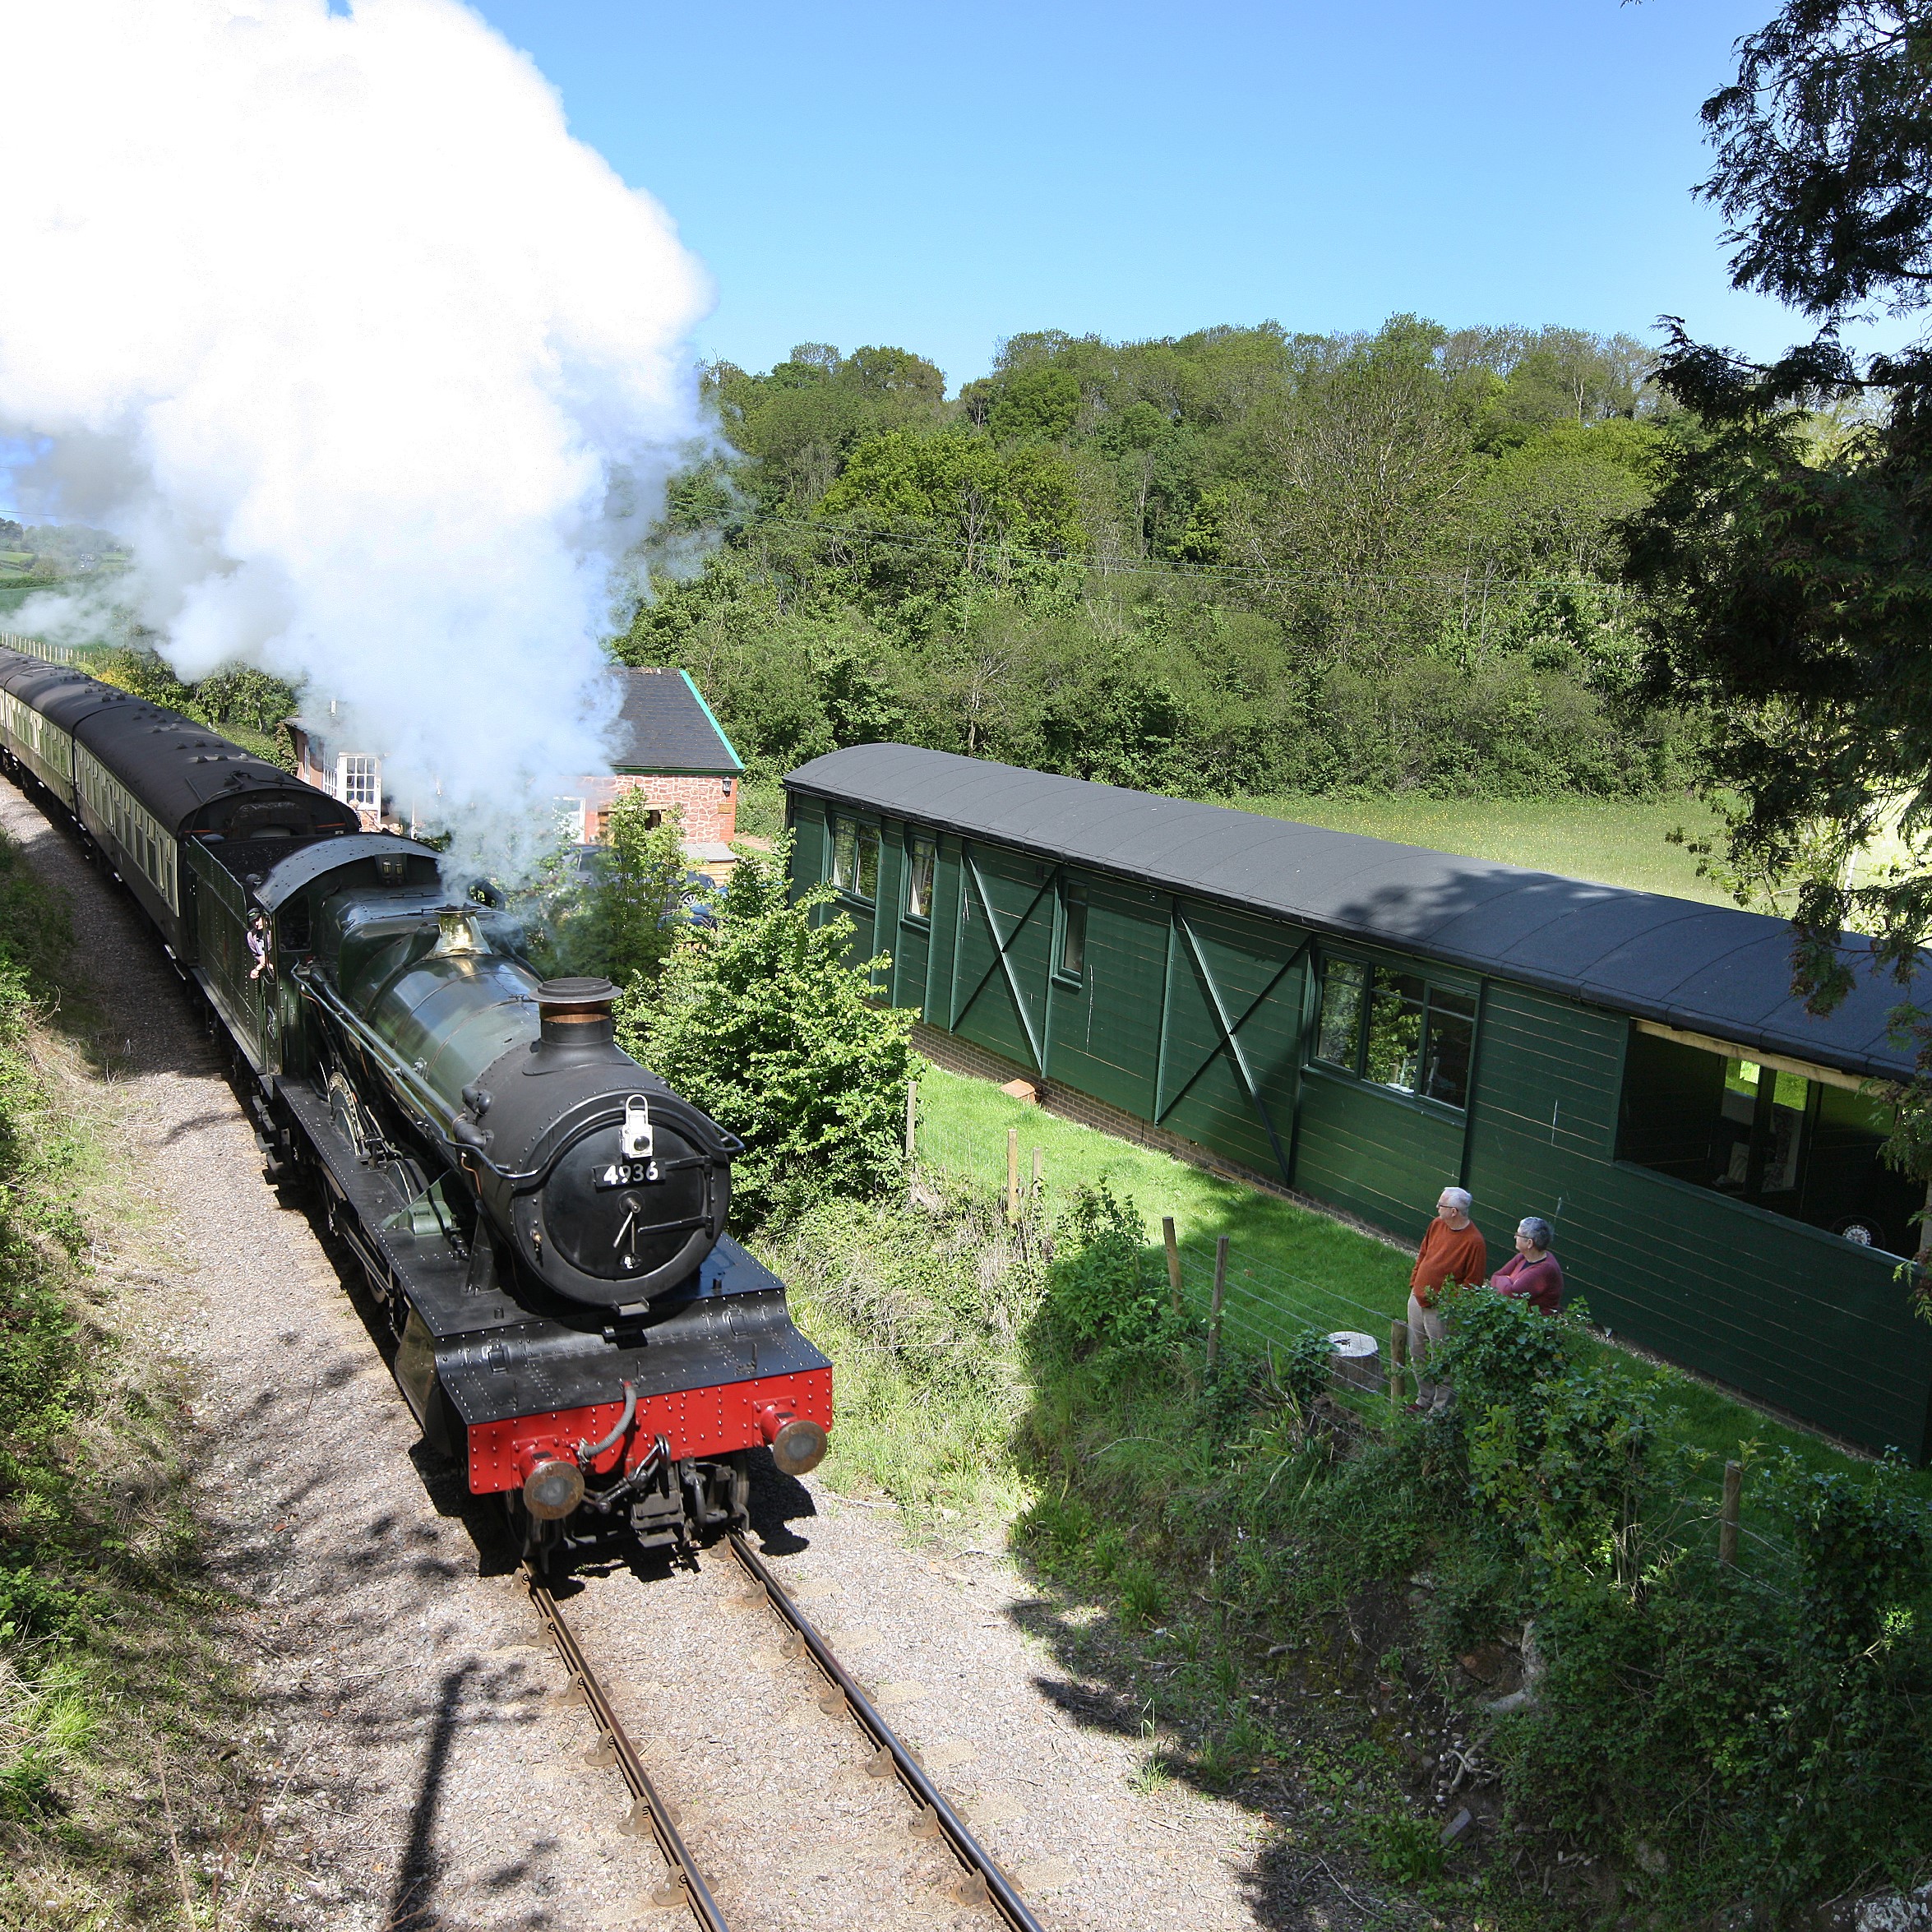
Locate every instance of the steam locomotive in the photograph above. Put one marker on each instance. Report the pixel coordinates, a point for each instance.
(541, 1219)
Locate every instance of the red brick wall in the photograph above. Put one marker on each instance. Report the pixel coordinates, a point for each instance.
(710, 804)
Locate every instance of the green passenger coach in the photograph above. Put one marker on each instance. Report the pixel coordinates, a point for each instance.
(1365, 1022)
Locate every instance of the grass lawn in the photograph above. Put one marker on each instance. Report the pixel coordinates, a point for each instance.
(1287, 1269)
(1614, 841)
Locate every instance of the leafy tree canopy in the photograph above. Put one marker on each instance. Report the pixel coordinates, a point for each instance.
(1785, 551)
(1786, 554)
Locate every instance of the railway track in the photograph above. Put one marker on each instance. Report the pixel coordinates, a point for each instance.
(978, 1882)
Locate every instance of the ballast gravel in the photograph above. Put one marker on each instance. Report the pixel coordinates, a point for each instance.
(421, 1766)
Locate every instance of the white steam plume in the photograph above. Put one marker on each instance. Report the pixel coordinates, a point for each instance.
(373, 364)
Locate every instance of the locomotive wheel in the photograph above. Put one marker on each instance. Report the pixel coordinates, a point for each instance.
(346, 1111)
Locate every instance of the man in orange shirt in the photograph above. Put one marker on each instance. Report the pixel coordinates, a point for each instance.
(1451, 1250)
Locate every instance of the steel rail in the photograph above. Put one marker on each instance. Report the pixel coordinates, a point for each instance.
(983, 1882)
(681, 1872)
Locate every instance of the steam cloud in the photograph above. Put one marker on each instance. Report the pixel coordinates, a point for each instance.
(375, 367)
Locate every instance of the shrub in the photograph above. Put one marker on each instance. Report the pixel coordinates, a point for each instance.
(1100, 1292)
(1562, 1473)
(760, 1018)
(1861, 1549)
(1299, 1371)
(1499, 1348)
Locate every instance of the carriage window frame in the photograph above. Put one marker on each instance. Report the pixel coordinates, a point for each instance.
(1070, 931)
(1802, 1144)
(855, 847)
(922, 871)
(1445, 1008)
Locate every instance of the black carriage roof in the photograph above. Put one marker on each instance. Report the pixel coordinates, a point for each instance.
(1701, 968)
(56, 690)
(172, 765)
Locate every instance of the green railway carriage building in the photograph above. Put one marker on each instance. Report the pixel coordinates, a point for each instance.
(1365, 1022)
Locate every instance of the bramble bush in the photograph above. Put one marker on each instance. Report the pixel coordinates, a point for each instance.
(1558, 1450)
(1757, 1735)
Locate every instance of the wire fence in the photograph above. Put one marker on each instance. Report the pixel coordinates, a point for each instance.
(1264, 1305)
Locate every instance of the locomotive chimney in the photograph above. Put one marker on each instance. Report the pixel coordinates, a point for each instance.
(576, 1012)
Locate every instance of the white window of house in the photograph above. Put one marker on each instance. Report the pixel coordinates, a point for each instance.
(359, 779)
(569, 818)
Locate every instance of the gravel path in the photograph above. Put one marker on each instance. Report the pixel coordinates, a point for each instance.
(434, 1777)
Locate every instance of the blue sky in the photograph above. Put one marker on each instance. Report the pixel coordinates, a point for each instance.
(937, 177)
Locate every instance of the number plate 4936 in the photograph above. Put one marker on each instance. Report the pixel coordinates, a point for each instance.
(627, 1173)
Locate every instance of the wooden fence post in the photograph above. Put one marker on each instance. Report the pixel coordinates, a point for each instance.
(1173, 1248)
(1398, 1356)
(1727, 1516)
(1013, 1173)
(1214, 1312)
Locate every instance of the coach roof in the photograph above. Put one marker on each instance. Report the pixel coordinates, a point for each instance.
(172, 765)
(1702, 969)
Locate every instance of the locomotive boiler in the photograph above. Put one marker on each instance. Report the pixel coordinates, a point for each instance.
(542, 1220)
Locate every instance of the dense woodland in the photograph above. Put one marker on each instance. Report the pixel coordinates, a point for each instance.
(1241, 560)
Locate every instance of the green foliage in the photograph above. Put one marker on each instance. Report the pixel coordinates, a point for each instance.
(1564, 1474)
(1408, 1851)
(1236, 560)
(1500, 1351)
(36, 932)
(632, 922)
(793, 678)
(247, 704)
(921, 1306)
(760, 1018)
(105, 1604)
(797, 425)
(1783, 558)
(1100, 1292)
(1301, 1370)
(1862, 1550)
(923, 524)
(33, 1609)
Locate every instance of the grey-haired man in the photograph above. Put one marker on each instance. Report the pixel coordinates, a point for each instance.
(1452, 1251)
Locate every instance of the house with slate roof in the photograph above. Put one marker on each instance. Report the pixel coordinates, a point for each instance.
(670, 747)
(668, 744)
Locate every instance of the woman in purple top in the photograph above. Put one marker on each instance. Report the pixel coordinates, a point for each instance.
(1532, 1271)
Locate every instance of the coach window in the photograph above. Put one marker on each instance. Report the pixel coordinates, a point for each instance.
(1810, 1148)
(1400, 1030)
(855, 860)
(1070, 957)
(920, 865)
(845, 854)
